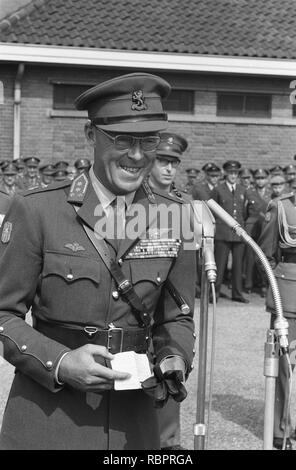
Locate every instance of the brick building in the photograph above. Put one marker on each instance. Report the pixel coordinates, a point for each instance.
(230, 63)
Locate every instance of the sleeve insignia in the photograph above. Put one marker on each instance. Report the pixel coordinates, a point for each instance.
(6, 232)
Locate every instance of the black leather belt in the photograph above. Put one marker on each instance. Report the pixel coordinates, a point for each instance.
(289, 257)
(114, 339)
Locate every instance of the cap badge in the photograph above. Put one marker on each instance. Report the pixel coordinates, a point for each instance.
(170, 140)
(138, 101)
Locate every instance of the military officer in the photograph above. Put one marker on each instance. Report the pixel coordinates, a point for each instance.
(203, 189)
(290, 174)
(95, 294)
(82, 164)
(258, 198)
(232, 197)
(32, 178)
(192, 175)
(278, 242)
(278, 186)
(246, 177)
(46, 171)
(60, 175)
(9, 184)
(161, 178)
(168, 158)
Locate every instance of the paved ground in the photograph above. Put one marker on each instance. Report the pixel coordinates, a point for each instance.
(239, 384)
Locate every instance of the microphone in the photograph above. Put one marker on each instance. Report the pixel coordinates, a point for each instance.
(281, 324)
(205, 218)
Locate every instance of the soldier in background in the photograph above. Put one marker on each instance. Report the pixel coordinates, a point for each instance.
(246, 178)
(202, 190)
(9, 183)
(192, 174)
(46, 172)
(60, 175)
(290, 173)
(32, 179)
(278, 186)
(82, 164)
(161, 178)
(258, 198)
(232, 197)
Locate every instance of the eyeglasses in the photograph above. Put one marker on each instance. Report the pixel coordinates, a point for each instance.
(127, 141)
(165, 162)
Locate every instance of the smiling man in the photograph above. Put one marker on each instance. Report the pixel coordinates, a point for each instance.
(94, 296)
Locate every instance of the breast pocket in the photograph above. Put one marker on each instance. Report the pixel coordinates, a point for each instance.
(69, 286)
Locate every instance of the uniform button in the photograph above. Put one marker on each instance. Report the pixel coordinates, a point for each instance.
(193, 350)
(191, 367)
(49, 364)
(120, 262)
(194, 335)
(1, 329)
(158, 279)
(115, 295)
(70, 276)
(23, 348)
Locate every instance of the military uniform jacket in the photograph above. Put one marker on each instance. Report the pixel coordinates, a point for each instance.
(256, 208)
(235, 205)
(49, 264)
(201, 191)
(278, 240)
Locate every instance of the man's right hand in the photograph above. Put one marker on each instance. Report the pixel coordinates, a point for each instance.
(79, 369)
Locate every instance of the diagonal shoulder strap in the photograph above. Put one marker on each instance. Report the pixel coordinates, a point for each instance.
(124, 286)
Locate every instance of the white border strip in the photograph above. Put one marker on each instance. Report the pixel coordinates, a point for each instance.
(146, 60)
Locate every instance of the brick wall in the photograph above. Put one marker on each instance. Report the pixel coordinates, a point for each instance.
(55, 138)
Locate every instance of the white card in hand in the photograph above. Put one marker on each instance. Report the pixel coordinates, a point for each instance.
(135, 364)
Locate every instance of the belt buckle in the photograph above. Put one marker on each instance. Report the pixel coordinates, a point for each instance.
(110, 336)
(124, 286)
(91, 330)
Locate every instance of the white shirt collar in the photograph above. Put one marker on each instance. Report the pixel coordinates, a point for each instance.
(230, 186)
(105, 196)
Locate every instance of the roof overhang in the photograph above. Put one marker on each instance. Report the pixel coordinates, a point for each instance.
(79, 56)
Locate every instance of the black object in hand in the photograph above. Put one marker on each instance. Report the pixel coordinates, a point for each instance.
(163, 385)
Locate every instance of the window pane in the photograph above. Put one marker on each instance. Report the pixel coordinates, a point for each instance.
(258, 105)
(65, 95)
(244, 105)
(180, 101)
(230, 104)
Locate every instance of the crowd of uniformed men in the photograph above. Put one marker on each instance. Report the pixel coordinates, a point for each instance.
(244, 193)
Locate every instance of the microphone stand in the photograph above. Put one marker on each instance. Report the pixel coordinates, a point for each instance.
(277, 339)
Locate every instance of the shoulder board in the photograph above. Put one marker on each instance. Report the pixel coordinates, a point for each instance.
(285, 196)
(172, 197)
(50, 187)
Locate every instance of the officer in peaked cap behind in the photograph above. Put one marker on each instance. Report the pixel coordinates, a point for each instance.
(32, 178)
(168, 158)
(258, 198)
(46, 171)
(276, 170)
(202, 190)
(82, 164)
(246, 177)
(232, 197)
(278, 185)
(192, 176)
(161, 178)
(9, 184)
(61, 165)
(290, 173)
(64, 389)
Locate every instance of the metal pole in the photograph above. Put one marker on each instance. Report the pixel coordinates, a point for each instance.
(200, 427)
(271, 369)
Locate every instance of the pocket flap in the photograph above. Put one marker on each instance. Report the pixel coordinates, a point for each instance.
(152, 270)
(71, 267)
